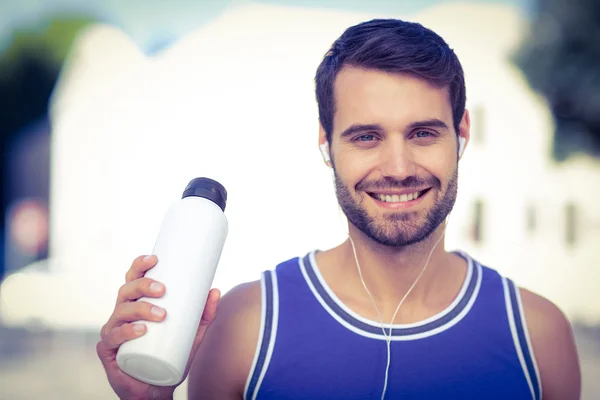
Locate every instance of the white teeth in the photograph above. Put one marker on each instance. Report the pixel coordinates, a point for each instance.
(403, 198)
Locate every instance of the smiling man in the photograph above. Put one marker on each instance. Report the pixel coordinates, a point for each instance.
(388, 313)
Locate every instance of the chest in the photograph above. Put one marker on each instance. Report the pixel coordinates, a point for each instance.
(340, 368)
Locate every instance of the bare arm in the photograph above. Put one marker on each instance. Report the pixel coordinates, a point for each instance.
(224, 359)
(554, 347)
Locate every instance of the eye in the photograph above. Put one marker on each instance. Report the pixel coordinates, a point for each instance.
(364, 138)
(423, 134)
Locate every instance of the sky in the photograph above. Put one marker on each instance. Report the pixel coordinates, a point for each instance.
(154, 24)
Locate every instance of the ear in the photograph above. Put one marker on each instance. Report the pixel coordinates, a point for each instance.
(324, 146)
(464, 132)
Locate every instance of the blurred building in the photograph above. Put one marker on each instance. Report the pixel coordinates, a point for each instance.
(234, 100)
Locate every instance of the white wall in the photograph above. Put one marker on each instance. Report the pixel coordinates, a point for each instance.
(234, 101)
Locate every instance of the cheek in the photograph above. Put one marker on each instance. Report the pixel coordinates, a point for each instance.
(346, 166)
(355, 164)
(440, 163)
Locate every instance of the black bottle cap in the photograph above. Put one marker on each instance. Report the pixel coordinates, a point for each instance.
(207, 188)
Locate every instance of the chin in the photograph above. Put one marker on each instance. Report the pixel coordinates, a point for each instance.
(397, 241)
(396, 234)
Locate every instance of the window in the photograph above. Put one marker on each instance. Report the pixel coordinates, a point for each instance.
(477, 114)
(478, 226)
(570, 224)
(531, 219)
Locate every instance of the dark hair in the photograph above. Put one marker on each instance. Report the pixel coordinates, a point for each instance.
(396, 46)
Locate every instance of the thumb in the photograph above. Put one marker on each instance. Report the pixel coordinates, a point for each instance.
(208, 316)
(210, 309)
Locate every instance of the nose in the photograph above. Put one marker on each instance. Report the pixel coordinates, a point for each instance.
(397, 159)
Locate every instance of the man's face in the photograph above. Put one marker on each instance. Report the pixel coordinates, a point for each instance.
(394, 154)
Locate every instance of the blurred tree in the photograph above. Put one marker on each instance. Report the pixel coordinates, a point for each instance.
(29, 68)
(561, 61)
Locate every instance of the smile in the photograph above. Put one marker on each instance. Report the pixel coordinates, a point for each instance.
(398, 198)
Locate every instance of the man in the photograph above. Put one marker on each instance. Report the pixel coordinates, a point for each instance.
(391, 98)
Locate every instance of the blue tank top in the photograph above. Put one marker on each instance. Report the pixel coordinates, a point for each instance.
(311, 346)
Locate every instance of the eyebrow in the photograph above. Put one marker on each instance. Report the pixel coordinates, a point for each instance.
(426, 123)
(356, 128)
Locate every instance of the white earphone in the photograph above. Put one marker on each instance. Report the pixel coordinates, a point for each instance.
(325, 152)
(461, 145)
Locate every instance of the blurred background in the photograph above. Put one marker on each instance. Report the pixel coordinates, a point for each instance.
(108, 108)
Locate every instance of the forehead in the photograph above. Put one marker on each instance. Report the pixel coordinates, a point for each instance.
(392, 100)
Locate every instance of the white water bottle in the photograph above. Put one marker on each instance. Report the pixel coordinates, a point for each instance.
(188, 248)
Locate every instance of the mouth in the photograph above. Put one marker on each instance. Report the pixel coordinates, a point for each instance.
(398, 198)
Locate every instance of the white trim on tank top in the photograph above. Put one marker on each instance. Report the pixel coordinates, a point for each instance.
(531, 353)
(273, 336)
(263, 319)
(515, 336)
(380, 336)
(376, 324)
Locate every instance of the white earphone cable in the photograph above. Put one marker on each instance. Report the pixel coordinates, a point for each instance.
(389, 334)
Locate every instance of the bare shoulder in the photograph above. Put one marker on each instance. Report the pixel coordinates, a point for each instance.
(240, 302)
(224, 359)
(554, 347)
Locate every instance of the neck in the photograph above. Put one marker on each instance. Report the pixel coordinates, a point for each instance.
(390, 272)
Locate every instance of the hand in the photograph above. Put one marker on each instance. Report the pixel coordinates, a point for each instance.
(120, 328)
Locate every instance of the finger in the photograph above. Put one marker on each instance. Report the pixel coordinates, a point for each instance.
(119, 335)
(210, 309)
(208, 316)
(134, 311)
(139, 267)
(139, 288)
